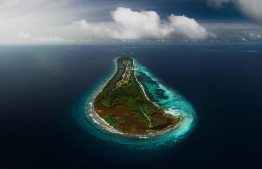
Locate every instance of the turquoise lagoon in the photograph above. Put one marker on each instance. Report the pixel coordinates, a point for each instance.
(157, 91)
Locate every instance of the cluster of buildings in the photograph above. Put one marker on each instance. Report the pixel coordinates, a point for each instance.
(126, 77)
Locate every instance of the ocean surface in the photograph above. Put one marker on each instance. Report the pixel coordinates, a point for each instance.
(44, 91)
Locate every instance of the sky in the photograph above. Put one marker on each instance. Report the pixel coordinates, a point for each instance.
(125, 21)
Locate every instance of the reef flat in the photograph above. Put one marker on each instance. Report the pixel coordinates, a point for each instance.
(124, 105)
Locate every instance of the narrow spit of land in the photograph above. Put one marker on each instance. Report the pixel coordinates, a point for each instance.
(123, 104)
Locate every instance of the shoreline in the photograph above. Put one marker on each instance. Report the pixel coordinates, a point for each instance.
(143, 88)
(149, 135)
(103, 86)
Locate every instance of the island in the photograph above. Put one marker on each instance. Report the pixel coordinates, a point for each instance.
(123, 104)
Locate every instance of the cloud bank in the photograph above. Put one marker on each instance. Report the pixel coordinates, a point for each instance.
(22, 36)
(251, 8)
(53, 21)
(254, 36)
(147, 24)
(78, 21)
(130, 24)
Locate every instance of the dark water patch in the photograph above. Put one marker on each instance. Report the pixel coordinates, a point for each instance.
(160, 94)
(40, 85)
(112, 85)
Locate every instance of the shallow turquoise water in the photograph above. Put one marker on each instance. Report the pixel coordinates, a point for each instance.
(160, 93)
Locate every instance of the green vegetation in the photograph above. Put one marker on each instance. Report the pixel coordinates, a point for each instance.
(127, 95)
(110, 119)
(129, 92)
(107, 102)
(156, 122)
(101, 95)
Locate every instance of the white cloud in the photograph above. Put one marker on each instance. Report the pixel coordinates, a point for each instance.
(147, 24)
(83, 30)
(78, 21)
(188, 27)
(83, 24)
(243, 39)
(47, 21)
(137, 25)
(46, 18)
(22, 36)
(251, 8)
(255, 36)
(129, 24)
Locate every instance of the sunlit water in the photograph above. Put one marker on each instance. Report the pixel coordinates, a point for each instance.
(170, 99)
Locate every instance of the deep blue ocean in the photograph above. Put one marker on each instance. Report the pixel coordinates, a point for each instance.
(41, 87)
